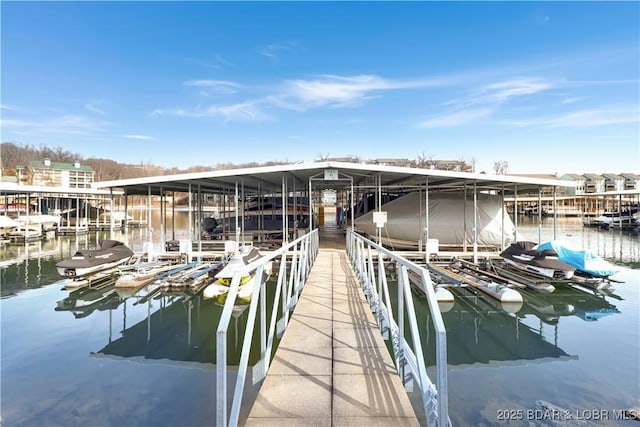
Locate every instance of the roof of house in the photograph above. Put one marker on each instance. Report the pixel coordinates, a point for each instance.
(593, 176)
(612, 176)
(630, 175)
(573, 176)
(39, 164)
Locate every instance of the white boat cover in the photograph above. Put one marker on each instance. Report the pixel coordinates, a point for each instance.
(447, 217)
(7, 222)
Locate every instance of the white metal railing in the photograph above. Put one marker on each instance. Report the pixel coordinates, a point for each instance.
(409, 358)
(301, 254)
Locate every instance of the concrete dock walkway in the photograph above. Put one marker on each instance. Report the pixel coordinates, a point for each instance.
(332, 367)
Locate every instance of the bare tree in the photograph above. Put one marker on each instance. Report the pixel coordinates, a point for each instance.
(424, 160)
(501, 167)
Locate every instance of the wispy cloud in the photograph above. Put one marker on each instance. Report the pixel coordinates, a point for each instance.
(455, 119)
(138, 137)
(218, 63)
(503, 91)
(10, 108)
(274, 51)
(584, 118)
(14, 123)
(220, 60)
(341, 91)
(572, 100)
(485, 101)
(92, 108)
(330, 91)
(215, 86)
(67, 124)
(244, 111)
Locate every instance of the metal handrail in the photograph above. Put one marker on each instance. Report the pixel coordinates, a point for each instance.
(302, 253)
(409, 359)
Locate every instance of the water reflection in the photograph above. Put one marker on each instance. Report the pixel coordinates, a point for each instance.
(569, 301)
(481, 332)
(84, 301)
(157, 323)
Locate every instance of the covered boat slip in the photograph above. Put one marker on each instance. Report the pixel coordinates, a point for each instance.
(358, 188)
(332, 304)
(67, 210)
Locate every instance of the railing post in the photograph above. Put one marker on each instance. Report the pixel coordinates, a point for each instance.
(409, 359)
(223, 417)
(400, 319)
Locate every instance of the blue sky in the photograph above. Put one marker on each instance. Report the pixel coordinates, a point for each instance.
(547, 86)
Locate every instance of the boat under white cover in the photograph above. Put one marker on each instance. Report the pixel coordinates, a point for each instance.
(111, 254)
(220, 288)
(7, 224)
(448, 214)
(48, 222)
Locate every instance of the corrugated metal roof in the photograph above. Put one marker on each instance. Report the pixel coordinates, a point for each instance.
(13, 188)
(270, 178)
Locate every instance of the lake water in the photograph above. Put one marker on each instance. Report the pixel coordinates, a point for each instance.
(121, 362)
(578, 350)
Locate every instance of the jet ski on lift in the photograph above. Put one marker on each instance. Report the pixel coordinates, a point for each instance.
(110, 254)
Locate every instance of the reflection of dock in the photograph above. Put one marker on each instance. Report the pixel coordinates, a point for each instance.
(84, 301)
(481, 332)
(568, 301)
(39, 250)
(181, 330)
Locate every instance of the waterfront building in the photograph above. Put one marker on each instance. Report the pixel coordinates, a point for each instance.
(55, 174)
(613, 182)
(594, 183)
(631, 181)
(580, 181)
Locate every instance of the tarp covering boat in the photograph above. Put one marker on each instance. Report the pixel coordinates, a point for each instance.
(448, 214)
(522, 255)
(110, 254)
(582, 259)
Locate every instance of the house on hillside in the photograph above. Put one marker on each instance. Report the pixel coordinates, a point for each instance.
(55, 174)
(613, 182)
(594, 183)
(580, 181)
(631, 181)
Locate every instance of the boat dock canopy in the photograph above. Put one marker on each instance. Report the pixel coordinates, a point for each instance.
(363, 175)
(13, 188)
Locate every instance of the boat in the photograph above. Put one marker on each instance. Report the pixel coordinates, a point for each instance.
(7, 224)
(624, 216)
(586, 263)
(458, 273)
(524, 256)
(260, 215)
(193, 277)
(47, 222)
(220, 288)
(110, 254)
(451, 220)
(534, 210)
(503, 269)
(26, 232)
(139, 274)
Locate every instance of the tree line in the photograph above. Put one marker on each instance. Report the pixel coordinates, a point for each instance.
(13, 155)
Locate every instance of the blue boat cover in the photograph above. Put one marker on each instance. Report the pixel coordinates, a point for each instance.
(582, 259)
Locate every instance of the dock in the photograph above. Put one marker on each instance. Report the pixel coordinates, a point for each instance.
(332, 367)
